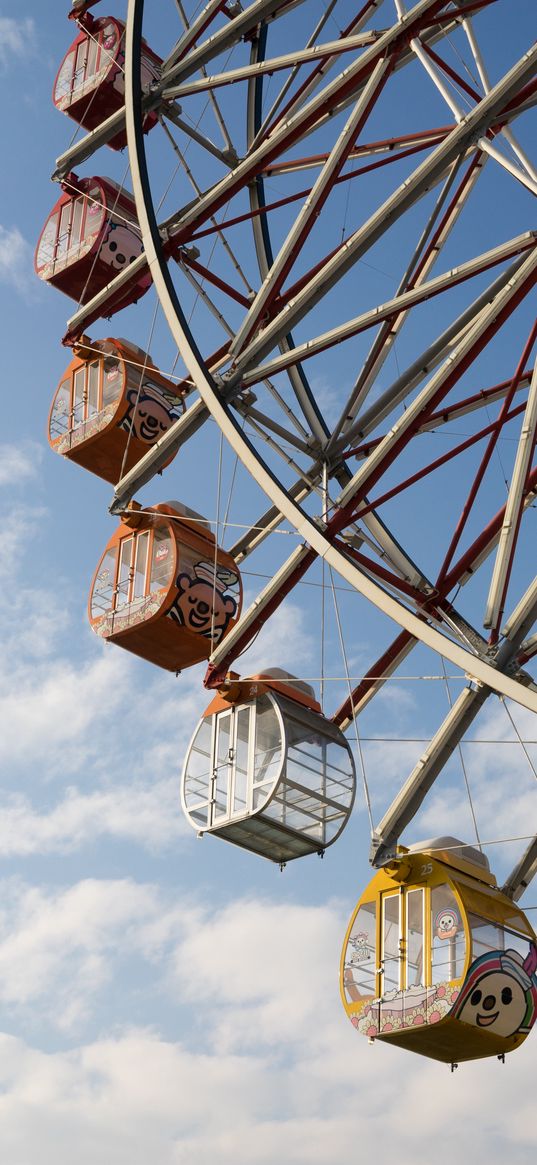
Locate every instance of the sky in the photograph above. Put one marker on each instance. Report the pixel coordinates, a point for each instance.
(165, 997)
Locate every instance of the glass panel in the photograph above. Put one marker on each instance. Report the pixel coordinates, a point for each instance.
(65, 76)
(124, 572)
(76, 225)
(91, 66)
(64, 232)
(161, 560)
(109, 45)
(360, 956)
(93, 388)
(414, 938)
(78, 396)
(198, 774)
(111, 380)
(80, 67)
(142, 547)
(448, 939)
(488, 936)
(222, 770)
(47, 245)
(61, 407)
(268, 746)
(95, 212)
(390, 943)
(242, 745)
(102, 599)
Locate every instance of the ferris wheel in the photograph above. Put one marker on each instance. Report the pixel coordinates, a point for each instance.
(333, 203)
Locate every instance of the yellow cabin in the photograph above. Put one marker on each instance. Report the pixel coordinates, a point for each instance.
(437, 959)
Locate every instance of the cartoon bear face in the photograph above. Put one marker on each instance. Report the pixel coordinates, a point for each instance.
(121, 246)
(147, 418)
(203, 608)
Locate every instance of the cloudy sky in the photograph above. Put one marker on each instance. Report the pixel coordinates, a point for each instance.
(162, 997)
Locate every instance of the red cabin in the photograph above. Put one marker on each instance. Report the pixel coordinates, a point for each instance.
(163, 589)
(111, 405)
(91, 235)
(90, 85)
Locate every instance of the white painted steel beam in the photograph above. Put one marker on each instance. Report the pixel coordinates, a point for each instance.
(509, 531)
(419, 404)
(399, 303)
(523, 873)
(270, 65)
(309, 209)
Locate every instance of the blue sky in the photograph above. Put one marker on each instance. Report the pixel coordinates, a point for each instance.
(160, 996)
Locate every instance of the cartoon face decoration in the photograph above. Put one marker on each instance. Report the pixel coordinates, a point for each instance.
(499, 994)
(361, 951)
(446, 924)
(147, 417)
(202, 605)
(121, 246)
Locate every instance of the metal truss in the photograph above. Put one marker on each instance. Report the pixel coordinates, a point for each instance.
(278, 298)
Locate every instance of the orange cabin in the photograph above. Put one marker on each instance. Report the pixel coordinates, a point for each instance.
(90, 236)
(110, 407)
(90, 84)
(163, 589)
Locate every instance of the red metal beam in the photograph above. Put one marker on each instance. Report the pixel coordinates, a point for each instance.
(519, 371)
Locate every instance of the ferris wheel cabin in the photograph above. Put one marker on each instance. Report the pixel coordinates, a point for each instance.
(110, 407)
(90, 236)
(163, 589)
(438, 960)
(266, 771)
(90, 84)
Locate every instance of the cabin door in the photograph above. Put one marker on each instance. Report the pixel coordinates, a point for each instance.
(232, 773)
(402, 939)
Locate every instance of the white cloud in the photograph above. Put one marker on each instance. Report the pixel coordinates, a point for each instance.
(18, 464)
(16, 261)
(17, 39)
(146, 813)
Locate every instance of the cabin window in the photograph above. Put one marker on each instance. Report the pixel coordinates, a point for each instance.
(62, 234)
(487, 937)
(267, 751)
(448, 941)
(391, 929)
(65, 77)
(102, 598)
(162, 560)
(111, 381)
(60, 417)
(415, 913)
(196, 786)
(359, 974)
(129, 575)
(47, 244)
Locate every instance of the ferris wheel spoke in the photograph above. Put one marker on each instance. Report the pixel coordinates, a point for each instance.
(429, 172)
(390, 310)
(428, 250)
(461, 715)
(513, 512)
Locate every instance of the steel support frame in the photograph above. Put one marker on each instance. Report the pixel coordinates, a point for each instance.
(317, 541)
